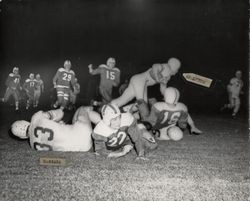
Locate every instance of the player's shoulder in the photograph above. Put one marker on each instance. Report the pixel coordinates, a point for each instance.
(182, 107)
(72, 72)
(103, 66)
(28, 80)
(61, 69)
(116, 69)
(11, 75)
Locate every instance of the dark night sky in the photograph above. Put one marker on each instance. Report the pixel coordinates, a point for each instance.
(209, 37)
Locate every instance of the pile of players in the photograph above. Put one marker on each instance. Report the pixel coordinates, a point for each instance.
(119, 126)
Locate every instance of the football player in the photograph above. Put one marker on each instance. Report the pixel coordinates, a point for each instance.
(13, 87)
(137, 88)
(234, 89)
(39, 89)
(63, 81)
(110, 77)
(29, 87)
(118, 132)
(47, 133)
(74, 92)
(170, 116)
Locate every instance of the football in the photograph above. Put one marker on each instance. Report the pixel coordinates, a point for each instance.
(175, 133)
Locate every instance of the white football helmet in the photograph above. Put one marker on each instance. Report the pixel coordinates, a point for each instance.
(238, 74)
(15, 70)
(175, 133)
(20, 129)
(109, 112)
(67, 64)
(111, 62)
(38, 76)
(31, 76)
(171, 95)
(174, 65)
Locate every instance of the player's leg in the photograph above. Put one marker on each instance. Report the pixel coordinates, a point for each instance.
(16, 98)
(29, 100)
(7, 95)
(106, 94)
(193, 128)
(60, 95)
(236, 106)
(127, 96)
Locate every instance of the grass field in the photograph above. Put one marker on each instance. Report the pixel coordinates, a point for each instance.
(213, 166)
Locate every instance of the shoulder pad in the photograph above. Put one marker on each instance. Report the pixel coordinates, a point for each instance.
(61, 69)
(103, 66)
(117, 69)
(182, 106)
(27, 80)
(11, 74)
(71, 71)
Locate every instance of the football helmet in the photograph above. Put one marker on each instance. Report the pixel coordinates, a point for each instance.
(15, 70)
(109, 112)
(175, 133)
(31, 76)
(38, 76)
(67, 64)
(238, 73)
(20, 129)
(171, 95)
(174, 65)
(111, 62)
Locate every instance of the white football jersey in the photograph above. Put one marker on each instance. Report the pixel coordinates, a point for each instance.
(46, 134)
(235, 86)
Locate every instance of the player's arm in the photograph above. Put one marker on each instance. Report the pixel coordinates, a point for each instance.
(54, 115)
(94, 71)
(153, 115)
(42, 86)
(7, 82)
(117, 78)
(55, 78)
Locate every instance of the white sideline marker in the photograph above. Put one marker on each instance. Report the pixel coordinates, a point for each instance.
(198, 79)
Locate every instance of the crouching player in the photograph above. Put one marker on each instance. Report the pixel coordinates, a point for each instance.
(47, 133)
(171, 116)
(118, 133)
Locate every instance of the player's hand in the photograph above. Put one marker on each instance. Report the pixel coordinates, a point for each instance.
(90, 66)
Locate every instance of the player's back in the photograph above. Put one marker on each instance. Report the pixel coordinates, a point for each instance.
(168, 115)
(46, 134)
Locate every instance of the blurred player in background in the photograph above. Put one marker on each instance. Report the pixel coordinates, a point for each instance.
(116, 134)
(170, 116)
(137, 88)
(13, 87)
(110, 77)
(123, 87)
(39, 89)
(63, 81)
(47, 133)
(74, 92)
(29, 87)
(234, 89)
